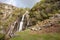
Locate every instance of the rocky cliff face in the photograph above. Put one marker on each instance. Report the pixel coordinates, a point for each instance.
(10, 17)
(8, 14)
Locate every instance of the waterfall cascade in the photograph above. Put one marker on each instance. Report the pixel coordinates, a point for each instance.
(21, 22)
(10, 32)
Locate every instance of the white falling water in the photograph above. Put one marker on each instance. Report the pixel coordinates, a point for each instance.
(21, 23)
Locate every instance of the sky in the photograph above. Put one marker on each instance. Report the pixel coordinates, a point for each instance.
(21, 3)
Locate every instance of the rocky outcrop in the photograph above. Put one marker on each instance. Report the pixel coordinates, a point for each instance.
(7, 15)
(46, 23)
(6, 10)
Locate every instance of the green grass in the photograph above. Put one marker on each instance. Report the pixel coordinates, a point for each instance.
(25, 35)
(1, 36)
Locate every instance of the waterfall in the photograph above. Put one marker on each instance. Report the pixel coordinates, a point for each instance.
(21, 22)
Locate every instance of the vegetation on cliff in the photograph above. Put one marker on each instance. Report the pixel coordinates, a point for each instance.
(40, 14)
(45, 9)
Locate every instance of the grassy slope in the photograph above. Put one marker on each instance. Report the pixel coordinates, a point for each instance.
(27, 35)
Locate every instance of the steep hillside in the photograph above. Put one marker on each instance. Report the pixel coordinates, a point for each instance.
(9, 14)
(45, 14)
(45, 9)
